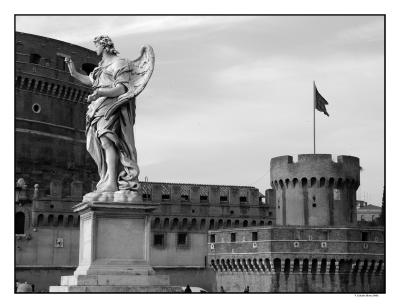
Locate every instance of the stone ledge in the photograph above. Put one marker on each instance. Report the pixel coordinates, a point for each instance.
(115, 280)
(115, 289)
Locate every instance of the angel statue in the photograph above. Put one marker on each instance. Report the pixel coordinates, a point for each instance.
(111, 114)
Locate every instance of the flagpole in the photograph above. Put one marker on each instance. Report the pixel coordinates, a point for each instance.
(314, 112)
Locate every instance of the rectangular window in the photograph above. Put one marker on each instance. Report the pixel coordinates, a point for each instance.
(182, 239)
(184, 198)
(223, 199)
(212, 238)
(204, 199)
(336, 194)
(364, 236)
(254, 236)
(158, 240)
(270, 213)
(60, 63)
(243, 199)
(233, 237)
(146, 197)
(165, 197)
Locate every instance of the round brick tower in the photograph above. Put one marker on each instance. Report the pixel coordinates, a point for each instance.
(315, 191)
(50, 110)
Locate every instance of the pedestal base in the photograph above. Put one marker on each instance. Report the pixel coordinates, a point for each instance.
(114, 244)
(115, 283)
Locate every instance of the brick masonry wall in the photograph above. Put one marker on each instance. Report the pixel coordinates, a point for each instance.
(310, 283)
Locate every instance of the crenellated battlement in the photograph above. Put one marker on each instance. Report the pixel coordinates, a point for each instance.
(314, 168)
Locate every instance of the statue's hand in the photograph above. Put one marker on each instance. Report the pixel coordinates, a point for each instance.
(92, 97)
(70, 64)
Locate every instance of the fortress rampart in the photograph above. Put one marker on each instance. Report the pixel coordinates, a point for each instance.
(315, 190)
(298, 259)
(50, 112)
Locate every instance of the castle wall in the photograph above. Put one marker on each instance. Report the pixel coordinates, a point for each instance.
(50, 112)
(300, 282)
(48, 217)
(172, 254)
(298, 259)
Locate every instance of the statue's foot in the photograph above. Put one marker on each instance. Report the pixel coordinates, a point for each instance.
(108, 188)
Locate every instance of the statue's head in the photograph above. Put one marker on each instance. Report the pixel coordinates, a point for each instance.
(105, 43)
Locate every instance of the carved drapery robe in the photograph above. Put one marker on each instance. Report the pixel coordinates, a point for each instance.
(114, 117)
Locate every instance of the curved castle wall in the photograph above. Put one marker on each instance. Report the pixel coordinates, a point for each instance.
(50, 108)
(315, 191)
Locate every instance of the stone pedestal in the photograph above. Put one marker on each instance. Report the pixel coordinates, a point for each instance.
(114, 247)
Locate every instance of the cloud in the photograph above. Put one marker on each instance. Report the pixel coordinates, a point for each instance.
(367, 32)
(278, 68)
(66, 27)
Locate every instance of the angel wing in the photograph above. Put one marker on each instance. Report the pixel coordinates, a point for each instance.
(141, 70)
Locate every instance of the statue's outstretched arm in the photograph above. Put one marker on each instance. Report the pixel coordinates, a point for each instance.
(74, 73)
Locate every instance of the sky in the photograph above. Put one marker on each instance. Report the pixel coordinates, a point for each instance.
(229, 93)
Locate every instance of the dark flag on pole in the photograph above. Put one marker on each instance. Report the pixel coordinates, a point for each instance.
(320, 102)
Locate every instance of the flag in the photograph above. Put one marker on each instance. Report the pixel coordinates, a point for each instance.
(320, 102)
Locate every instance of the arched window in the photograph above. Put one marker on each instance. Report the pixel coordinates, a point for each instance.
(313, 181)
(39, 86)
(34, 58)
(166, 223)
(323, 266)
(50, 220)
(175, 223)
(296, 266)
(277, 265)
(305, 266)
(314, 266)
(287, 266)
(32, 85)
(45, 87)
(60, 220)
(20, 223)
(88, 68)
(202, 224)
(40, 220)
(211, 224)
(332, 267)
(157, 222)
(25, 84)
(70, 221)
(245, 223)
(253, 223)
